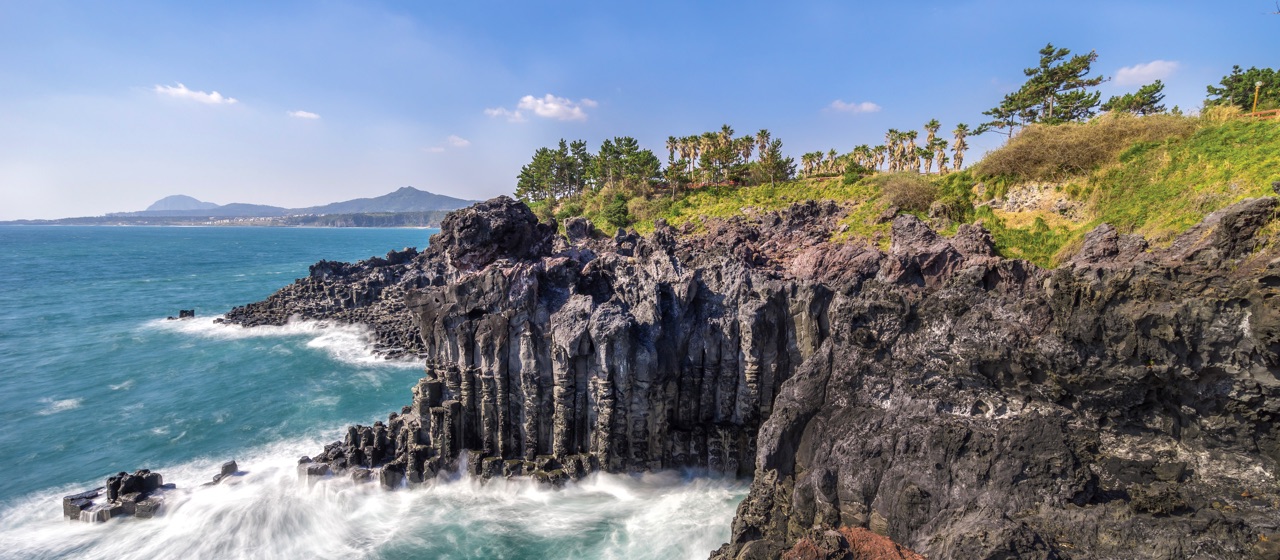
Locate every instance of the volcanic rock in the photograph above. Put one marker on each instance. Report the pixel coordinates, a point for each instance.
(958, 403)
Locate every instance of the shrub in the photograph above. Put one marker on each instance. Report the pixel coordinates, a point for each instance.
(615, 211)
(569, 210)
(908, 191)
(1055, 152)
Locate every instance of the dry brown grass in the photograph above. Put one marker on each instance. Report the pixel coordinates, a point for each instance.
(909, 192)
(1053, 153)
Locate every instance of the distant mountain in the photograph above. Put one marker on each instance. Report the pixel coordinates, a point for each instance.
(179, 202)
(406, 199)
(233, 210)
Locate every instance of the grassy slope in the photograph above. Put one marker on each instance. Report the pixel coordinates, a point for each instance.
(1157, 189)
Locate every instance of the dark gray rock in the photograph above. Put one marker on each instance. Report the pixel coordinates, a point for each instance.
(139, 494)
(963, 404)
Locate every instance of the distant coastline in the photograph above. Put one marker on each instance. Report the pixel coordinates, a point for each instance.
(404, 207)
(427, 219)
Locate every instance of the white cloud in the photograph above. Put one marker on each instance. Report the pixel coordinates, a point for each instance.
(854, 107)
(458, 141)
(559, 108)
(548, 107)
(512, 116)
(303, 115)
(1142, 74)
(181, 92)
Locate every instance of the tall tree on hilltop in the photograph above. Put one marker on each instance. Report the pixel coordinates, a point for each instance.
(762, 140)
(1056, 91)
(770, 163)
(931, 133)
(1145, 101)
(939, 148)
(910, 157)
(931, 130)
(1238, 88)
(957, 149)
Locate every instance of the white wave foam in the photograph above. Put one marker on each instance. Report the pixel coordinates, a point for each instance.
(56, 406)
(268, 513)
(352, 344)
(127, 384)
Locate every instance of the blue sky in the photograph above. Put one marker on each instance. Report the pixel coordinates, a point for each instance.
(109, 106)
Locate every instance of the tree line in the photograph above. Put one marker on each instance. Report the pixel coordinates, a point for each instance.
(621, 165)
(1059, 89)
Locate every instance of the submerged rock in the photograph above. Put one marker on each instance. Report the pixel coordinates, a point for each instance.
(950, 400)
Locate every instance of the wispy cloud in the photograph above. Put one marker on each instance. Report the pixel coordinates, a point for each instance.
(453, 140)
(853, 107)
(181, 92)
(1141, 74)
(548, 107)
(512, 116)
(303, 115)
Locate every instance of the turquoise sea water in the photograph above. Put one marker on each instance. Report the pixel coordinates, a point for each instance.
(94, 380)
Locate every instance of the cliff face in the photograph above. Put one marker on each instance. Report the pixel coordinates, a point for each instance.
(962, 404)
(1122, 406)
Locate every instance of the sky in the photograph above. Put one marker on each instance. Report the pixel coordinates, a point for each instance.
(110, 106)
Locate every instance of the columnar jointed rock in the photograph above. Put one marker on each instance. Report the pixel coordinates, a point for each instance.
(960, 403)
(553, 360)
(139, 494)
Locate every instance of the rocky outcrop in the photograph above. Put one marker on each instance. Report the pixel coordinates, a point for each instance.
(369, 293)
(958, 403)
(140, 494)
(553, 359)
(1122, 406)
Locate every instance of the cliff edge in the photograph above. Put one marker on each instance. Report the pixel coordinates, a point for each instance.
(962, 404)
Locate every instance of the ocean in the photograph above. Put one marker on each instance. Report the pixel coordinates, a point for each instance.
(95, 380)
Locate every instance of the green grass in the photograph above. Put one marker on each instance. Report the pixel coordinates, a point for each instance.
(1162, 189)
(1156, 188)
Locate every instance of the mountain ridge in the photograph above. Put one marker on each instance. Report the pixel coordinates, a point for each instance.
(404, 199)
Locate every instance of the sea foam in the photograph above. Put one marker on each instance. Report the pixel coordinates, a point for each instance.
(350, 344)
(55, 406)
(269, 513)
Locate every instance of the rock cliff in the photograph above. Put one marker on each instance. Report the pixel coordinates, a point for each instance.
(962, 404)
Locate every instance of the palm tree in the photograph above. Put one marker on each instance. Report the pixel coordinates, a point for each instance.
(925, 156)
(958, 148)
(891, 140)
(931, 128)
(910, 157)
(762, 142)
(671, 148)
(939, 148)
(878, 155)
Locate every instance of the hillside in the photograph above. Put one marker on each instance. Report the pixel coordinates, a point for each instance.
(404, 199)
(179, 202)
(1038, 195)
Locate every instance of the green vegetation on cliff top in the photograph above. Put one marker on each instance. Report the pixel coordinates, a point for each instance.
(1063, 171)
(1165, 174)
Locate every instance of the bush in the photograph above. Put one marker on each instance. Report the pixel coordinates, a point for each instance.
(1055, 152)
(615, 211)
(908, 191)
(569, 210)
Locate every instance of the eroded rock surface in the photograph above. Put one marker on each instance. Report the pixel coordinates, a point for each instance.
(961, 404)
